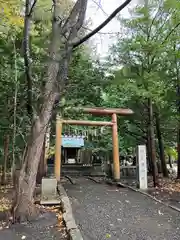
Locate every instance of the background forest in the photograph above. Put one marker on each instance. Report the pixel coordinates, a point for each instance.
(141, 72)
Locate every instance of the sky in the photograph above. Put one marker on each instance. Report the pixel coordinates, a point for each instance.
(96, 16)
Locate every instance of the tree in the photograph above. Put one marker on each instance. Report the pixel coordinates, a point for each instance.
(142, 54)
(63, 41)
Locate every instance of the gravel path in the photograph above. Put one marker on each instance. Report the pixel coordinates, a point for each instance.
(106, 212)
(42, 229)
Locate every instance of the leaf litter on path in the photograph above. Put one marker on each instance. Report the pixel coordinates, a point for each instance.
(168, 191)
(5, 204)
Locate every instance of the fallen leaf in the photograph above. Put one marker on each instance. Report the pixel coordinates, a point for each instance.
(5, 204)
(160, 213)
(108, 235)
(119, 219)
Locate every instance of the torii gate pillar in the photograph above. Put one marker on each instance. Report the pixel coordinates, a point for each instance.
(116, 164)
(57, 165)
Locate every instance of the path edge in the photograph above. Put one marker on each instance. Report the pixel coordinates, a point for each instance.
(72, 228)
(119, 184)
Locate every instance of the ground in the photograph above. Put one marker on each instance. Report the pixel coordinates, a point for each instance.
(168, 192)
(49, 225)
(5, 204)
(106, 212)
(102, 212)
(45, 227)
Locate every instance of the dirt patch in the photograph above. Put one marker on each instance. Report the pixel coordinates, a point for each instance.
(168, 192)
(6, 193)
(48, 225)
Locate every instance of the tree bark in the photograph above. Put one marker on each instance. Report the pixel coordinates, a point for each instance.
(14, 113)
(170, 161)
(161, 146)
(178, 127)
(152, 144)
(41, 168)
(26, 53)
(177, 72)
(23, 208)
(178, 151)
(6, 153)
(149, 153)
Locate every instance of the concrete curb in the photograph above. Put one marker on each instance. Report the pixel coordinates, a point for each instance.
(119, 184)
(74, 232)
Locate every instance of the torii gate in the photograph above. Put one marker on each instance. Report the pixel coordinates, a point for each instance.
(95, 111)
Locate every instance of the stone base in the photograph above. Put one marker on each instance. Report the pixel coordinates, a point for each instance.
(50, 202)
(49, 193)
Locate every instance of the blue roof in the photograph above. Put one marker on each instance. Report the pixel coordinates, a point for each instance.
(72, 141)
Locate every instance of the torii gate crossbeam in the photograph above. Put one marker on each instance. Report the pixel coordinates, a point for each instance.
(95, 111)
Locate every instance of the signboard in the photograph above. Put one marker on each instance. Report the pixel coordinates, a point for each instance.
(72, 142)
(142, 167)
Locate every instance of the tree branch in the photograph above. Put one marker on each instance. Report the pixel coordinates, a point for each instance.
(156, 15)
(166, 38)
(159, 31)
(169, 34)
(135, 135)
(26, 54)
(100, 7)
(32, 8)
(113, 14)
(80, 19)
(72, 17)
(71, 27)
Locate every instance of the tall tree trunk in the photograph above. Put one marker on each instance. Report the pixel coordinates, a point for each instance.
(23, 207)
(161, 146)
(14, 113)
(175, 48)
(178, 151)
(178, 127)
(149, 153)
(29, 5)
(170, 161)
(152, 143)
(41, 168)
(6, 153)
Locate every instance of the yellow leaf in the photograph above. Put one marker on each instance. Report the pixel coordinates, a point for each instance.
(108, 235)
